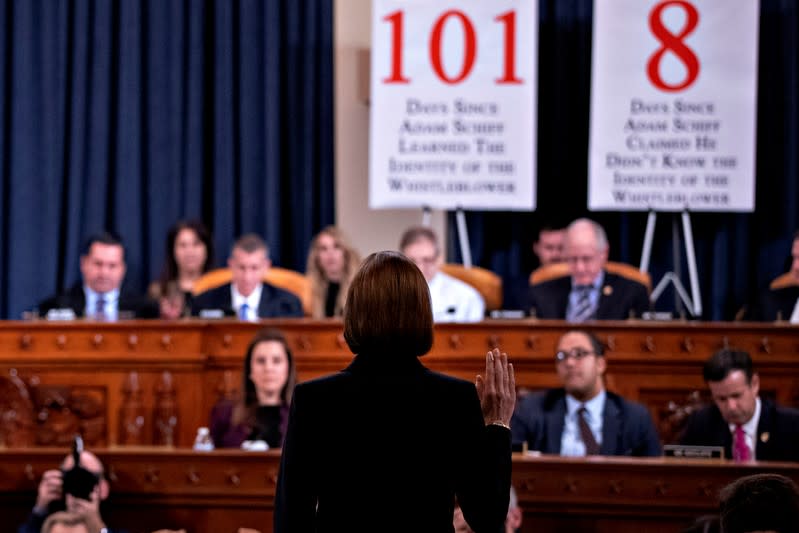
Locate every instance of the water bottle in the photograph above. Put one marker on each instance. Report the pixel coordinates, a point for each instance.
(203, 442)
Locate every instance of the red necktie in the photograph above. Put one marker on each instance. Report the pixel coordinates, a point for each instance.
(740, 451)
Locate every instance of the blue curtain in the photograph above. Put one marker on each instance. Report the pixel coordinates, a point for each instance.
(130, 114)
(737, 254)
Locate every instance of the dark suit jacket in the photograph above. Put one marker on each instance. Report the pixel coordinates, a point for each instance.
(75, 299)
(777, 432)
(780, 300)
(627, 428)
(274, 302)
(386, 445)
(617, 297)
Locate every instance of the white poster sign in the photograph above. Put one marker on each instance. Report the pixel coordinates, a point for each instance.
(673, 105)
(453, 104)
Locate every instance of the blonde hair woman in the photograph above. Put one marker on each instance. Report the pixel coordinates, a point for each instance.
(332, 263)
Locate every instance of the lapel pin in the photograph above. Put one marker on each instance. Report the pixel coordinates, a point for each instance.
(607, 290)
(764, 436)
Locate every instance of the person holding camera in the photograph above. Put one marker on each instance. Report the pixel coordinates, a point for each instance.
(77, 490)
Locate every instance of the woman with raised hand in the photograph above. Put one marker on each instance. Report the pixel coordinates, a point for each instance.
(386, 444)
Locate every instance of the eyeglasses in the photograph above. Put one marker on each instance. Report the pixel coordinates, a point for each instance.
(576, 354)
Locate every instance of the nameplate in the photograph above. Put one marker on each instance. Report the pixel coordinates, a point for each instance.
(693, 452)
(212, 313)
(507, 313)
(657, 315)
(60, 314)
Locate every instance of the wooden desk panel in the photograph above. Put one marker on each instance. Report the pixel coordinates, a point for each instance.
(655, 363)
(218, 492)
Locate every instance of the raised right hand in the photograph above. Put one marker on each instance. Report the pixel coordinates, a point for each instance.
(497, 390)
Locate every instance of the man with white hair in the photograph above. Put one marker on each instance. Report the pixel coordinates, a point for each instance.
(588, 292)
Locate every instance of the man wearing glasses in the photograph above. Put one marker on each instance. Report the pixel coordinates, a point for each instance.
(582, 418)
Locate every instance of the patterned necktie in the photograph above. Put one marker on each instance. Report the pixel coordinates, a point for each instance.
(243, 311)
(740, 451)
(591, 446)
(99, 307)
(582, 310)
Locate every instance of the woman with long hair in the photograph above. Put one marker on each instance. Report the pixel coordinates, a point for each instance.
(387, 445)
(332, 262)
(261, 413)
(189, 255)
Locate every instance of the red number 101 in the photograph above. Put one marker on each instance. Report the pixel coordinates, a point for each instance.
(469, 47)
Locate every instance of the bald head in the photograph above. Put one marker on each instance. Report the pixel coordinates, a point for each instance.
(585, 250)
(88, 460)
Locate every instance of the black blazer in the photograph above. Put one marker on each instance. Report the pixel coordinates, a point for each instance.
(617, 297)
(386, 445)
(627, 428)
(75, 299)
(777, 432)
(274, 302)
(780, 301)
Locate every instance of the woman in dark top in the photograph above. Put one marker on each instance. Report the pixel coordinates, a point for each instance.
(386, 445)
(268, 380)
(332, 263)
(189, 255)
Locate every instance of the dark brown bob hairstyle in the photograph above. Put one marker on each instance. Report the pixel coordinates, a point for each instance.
(388, 308)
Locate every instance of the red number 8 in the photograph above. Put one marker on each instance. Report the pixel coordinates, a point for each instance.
(673, 43)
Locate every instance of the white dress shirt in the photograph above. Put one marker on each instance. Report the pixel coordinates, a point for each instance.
(110, 306)
(454, 300)
(253, 300)
(795, 314)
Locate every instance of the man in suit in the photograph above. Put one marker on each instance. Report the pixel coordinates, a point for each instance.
(582, 418)
(452, 299)
(784, 303)
(588, 292)
(747, 426)
(100, 294)
(247, 296)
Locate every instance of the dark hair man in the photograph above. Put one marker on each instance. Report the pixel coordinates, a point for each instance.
(747, 426)
(549, 245)
(588, 292)
(247, 295)
(761, 502)
(582, 418)
(100, 294)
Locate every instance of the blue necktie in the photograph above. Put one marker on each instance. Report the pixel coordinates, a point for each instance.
(243, 311)
(582, 310)
(99, 307)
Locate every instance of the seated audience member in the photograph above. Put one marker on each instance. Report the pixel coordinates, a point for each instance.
(512, 523)
(100, 294)
(189, 255)
(332, 262)
(453, 300)
(784, 303)
(747, 426)
(549, 246)
(64, 522)
(582, 418)
(760, 503)
(268, 379)
(588, 292)
(52, 496)
(247, 296)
